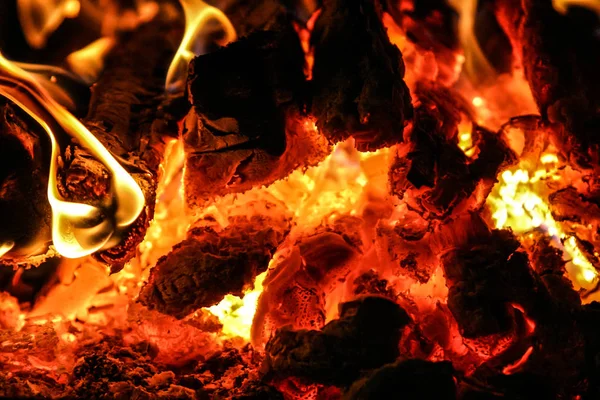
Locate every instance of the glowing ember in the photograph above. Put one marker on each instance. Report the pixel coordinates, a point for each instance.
(236, 314)
(519, 202)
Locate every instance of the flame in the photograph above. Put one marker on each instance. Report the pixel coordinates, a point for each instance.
(6, 247)
(40, 18)
(197, 15)
(77, 229)
(465, 140)
(236, 314)
(88, 62)
(476, 65)
(562, 6)
(518, 202)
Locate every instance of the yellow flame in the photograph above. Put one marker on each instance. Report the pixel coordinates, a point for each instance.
(88, 62)
(562, 6)
(517, 202)
(40, 18)
(476, 65)
(6, 247)
(236, 314)
(77, 229)
(465, 139)
(197, 15)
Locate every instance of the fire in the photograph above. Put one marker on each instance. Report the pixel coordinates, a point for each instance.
(519, 202)
(39, 18)
(77, 229)
(88, 62)
(340, 185)
(562, 6)
(197, 15)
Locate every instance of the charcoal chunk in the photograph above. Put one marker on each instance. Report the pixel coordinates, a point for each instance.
(365, 336)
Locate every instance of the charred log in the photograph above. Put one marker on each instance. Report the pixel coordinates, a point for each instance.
(558, 65)
(24, 207)
(357, 77)
(246, 129)
(483, 278)
(208, 265)
(408, 379)
(435, 170)
(365, 337)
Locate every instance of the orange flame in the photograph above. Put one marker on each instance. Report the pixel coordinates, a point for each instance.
(197, 15)
(77, 229)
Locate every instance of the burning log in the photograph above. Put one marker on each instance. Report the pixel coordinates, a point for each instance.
(365, 336)
(246, 129)
(435, 167)
(208, 265)
(483, 278)
(24, 208)
(409, 379)
(357, 77)
(559, 66)
(133, 79)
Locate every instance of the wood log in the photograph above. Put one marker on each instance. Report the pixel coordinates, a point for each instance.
(435, 174)
(206, 266)
(24, 207)
(365, 337)
(131, 84)
(247, 128)
(357, 77)
(559, 54)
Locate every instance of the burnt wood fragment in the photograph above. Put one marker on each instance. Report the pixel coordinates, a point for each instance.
(365, 336)
(435, 173)
(484, 277)
(357, 77)
(247, 128)
(407, 379)
(206, 266)
(561, 67)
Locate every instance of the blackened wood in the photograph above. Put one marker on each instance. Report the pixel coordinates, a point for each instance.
(408, 379)
(24, 208)
(357, 77)
(365, 336)
(131, 83)
(247, 127)
(202, 269)
(560, 54)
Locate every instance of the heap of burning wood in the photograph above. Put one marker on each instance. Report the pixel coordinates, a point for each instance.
(415, 293)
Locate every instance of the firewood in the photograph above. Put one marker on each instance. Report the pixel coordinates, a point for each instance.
(408, 379)
(132, 81)
(483, 278)
(365, 336)
(206, 266)
(357, 77)
(24, 208)
(246, 128)
(435, 173)
(559, 65)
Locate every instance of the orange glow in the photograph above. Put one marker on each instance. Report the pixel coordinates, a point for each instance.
(197, 15)
(40, 18)
(77, 229)
(512, 368)
(530, 323)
